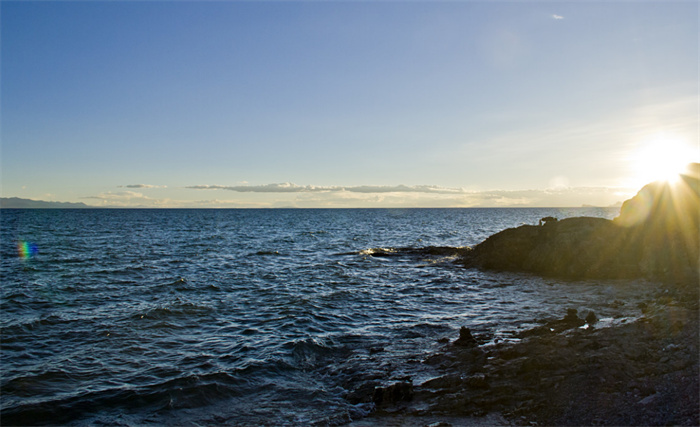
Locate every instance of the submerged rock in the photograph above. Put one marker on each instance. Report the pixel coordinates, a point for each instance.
(656, 236)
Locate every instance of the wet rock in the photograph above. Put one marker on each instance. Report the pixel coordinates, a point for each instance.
(446, 381)
(437, 359)
(465, 338)
(535, 332)
(570, 321)
(362, 394)
(395, 393)
(477, 381)
(548, 220)
(591, 318)
(571, 315)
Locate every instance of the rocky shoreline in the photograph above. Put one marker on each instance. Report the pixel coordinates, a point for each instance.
(574, 370)
(565, 372)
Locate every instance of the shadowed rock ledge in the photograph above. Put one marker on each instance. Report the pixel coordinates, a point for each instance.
(656, 236)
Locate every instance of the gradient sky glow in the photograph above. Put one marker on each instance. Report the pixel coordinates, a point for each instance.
(342, 104)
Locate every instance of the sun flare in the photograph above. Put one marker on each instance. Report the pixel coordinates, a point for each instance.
(662, 157)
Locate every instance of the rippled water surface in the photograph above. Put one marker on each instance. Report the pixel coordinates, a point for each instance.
(247, 316)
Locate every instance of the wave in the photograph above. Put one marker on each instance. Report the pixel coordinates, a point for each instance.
(176, 310)
(426, 251)
(28, 326)
(314, 352)
(191, 391)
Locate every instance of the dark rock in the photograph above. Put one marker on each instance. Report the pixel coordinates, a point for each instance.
(591, 318)
(643, 372)
(477, 381)
(534, 332)
(570, 321)
(465, 338)
(446, 381)
(398, 392)
(548, 220)
(472, 358)
(362, 394)
(375, 350)
(656, 236)
(512, 352)
(571, 316)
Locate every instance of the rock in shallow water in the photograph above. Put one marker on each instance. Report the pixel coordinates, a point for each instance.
(591, 318)
(465, 338)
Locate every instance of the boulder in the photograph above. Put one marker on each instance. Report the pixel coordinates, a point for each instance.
(656, 236)
(465, 338)
(591, 318)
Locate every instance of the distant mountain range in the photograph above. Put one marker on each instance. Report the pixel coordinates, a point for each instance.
(17, 203)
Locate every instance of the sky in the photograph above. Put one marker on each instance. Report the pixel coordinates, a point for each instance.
(240, 104)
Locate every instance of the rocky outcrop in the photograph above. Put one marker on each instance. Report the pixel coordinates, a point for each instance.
(656, 236)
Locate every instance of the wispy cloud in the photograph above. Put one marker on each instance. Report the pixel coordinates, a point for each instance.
(128, 199)
(401, 196)
(142, 186)
(569, 197)
(557, 17)
(289, 187)
(292, 195)
(118, 195)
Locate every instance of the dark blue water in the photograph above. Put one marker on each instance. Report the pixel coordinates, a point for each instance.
(247, 316)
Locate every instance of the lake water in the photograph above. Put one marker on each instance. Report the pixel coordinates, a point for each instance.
(201, 317)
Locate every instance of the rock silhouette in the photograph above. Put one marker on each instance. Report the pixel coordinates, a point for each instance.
(656, 236)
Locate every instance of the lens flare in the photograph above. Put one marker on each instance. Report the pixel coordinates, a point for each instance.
(662, 158)
(27, 250)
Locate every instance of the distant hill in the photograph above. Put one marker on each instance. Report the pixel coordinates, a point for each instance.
(17, 203)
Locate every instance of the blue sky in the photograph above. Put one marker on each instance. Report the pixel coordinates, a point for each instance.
(343, 104)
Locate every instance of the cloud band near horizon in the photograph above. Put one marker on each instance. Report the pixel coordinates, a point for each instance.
(142, 186)
(289, 187)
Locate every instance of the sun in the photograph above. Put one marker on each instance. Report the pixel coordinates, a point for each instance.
(662, 158)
